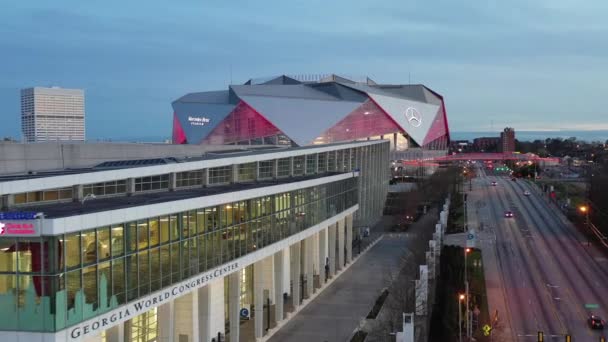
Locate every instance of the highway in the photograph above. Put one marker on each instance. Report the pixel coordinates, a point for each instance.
(547, 269)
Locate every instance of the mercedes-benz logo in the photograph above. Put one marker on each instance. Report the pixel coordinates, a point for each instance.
(413, 117)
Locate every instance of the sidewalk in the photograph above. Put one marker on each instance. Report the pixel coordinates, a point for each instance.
(343, 304)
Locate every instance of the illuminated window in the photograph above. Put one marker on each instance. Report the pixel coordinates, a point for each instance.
(144, 328)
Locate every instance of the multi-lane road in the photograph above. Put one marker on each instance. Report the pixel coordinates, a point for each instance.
(547, 270)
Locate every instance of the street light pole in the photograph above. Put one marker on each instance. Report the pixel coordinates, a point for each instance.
(460, 298)
(466, 287)
(585, 210)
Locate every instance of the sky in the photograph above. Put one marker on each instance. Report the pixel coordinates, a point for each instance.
(531, 65)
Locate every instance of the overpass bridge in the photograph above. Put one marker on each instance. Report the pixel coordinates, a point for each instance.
(481, 156)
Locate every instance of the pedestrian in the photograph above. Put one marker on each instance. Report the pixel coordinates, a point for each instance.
(326, 271)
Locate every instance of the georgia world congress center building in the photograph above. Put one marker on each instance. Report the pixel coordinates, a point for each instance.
(208, 247)
(181, 249)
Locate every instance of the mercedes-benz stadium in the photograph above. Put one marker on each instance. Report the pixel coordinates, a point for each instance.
(287, 111)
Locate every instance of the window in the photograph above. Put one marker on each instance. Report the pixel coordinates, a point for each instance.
(106, 188)
(44, 196)
(311, 164)
(117, 244)
(164, 230)
(104, 245)
(154, 228)
(189, 178)
(322, 167)
(284, 167)
(246, 172)
(8, 256)
(72, 250)
(142, 234)
(152, 183)
(298, 165)
(331, 161)
(265, 169)
(220, 175)
(90, 245)
(144, 328)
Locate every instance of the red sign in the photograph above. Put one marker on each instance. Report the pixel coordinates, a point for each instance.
(9, 228)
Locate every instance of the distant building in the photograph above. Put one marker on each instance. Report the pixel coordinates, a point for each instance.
(460, 146)
(486, 144)
(50, 114)
(507, 140)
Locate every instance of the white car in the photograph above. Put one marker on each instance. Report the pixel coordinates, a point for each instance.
(526, 193)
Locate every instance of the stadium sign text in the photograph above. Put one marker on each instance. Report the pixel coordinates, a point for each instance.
(198, 120)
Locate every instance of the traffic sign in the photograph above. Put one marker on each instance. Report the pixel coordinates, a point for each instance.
(244, 313)
(486, 330)
(592, 306)
(471, 238)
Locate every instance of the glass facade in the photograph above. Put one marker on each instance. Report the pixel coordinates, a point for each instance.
(52, 282)
(242, 124)
(365, 121)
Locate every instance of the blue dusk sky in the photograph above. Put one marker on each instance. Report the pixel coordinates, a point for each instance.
(533, 65)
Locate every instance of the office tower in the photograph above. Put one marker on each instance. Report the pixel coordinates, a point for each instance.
(51, 114)
(507, 140)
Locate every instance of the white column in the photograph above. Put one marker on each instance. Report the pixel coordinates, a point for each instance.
(258, 297)
(295, 274)
(234, 285)
(308, 253)
(117, 333)
(267, 276)
(331, 247)
(278, 286)
(322, 255)
(184, 307)
(315, 254)
(166, 319)
(286, 270)
(349, 238)
(211, 314)
(341, 244)
(172, 181)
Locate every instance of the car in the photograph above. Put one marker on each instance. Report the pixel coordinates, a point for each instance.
(526, 193)
(494, 183)
(595, 322)
(514, 179)
(508, 213)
